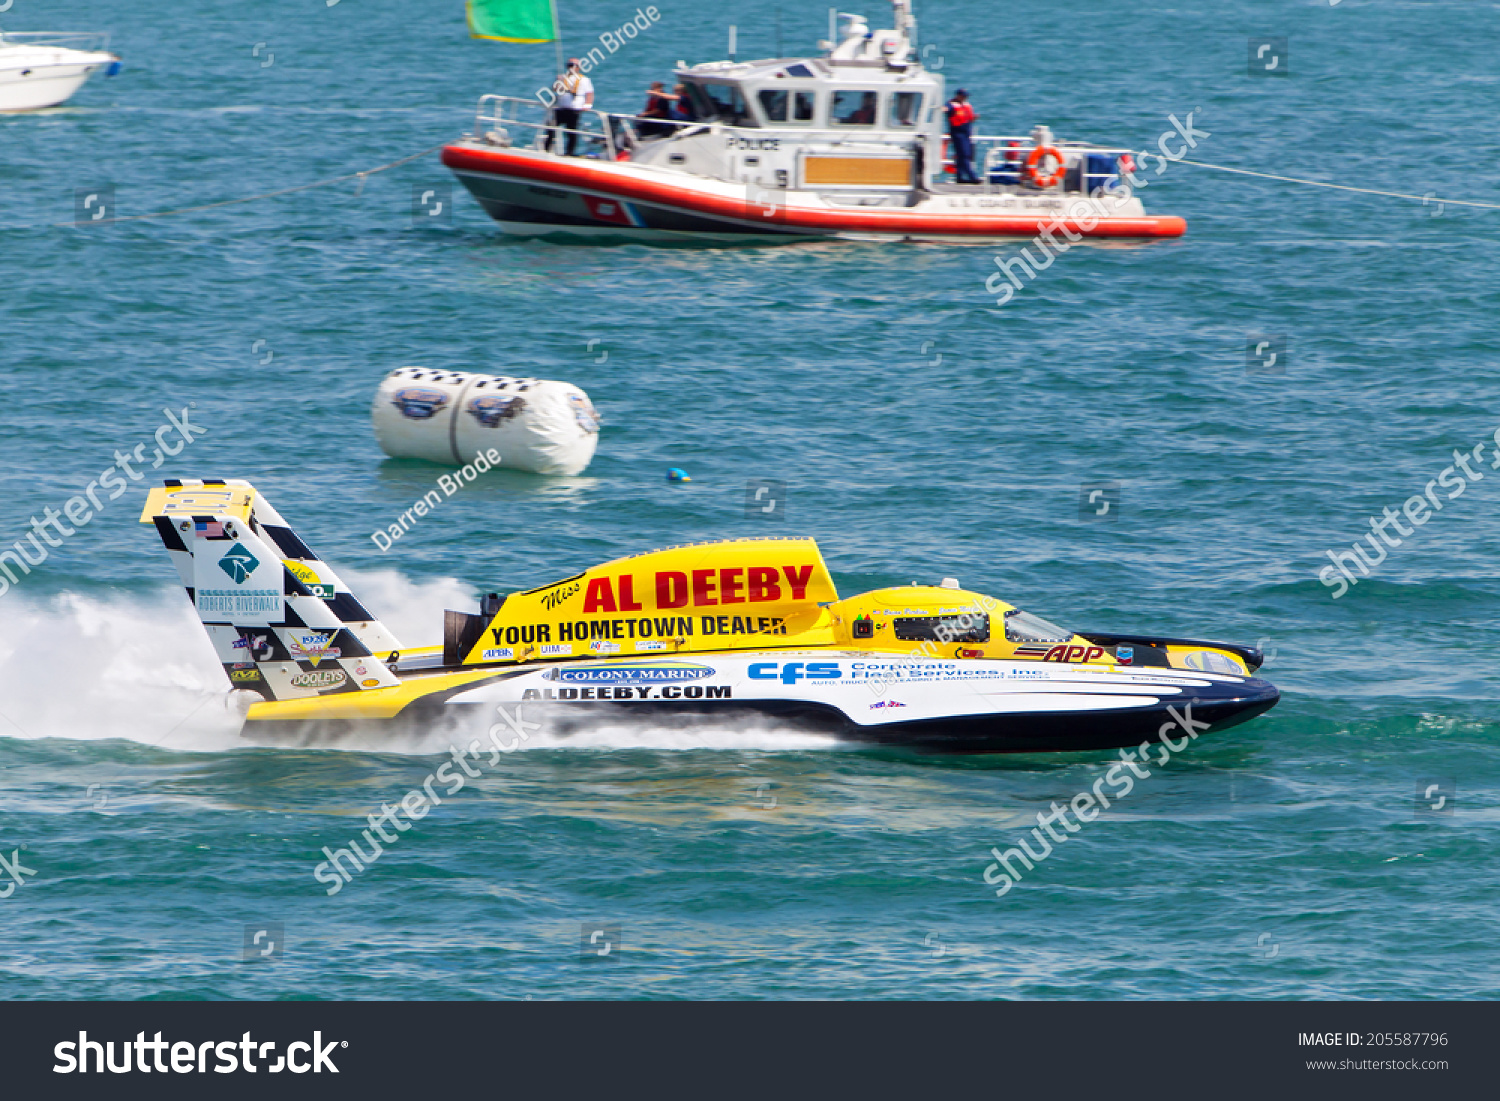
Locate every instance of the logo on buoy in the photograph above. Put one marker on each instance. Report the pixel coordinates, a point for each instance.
(419, 403)
(490, 411)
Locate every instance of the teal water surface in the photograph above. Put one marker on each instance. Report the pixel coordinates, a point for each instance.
(922, 433)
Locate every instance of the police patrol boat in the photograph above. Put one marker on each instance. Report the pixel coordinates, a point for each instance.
(848, 144)
(41, 69)
(745, 627)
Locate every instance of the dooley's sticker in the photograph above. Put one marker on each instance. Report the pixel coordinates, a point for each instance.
(319, 678)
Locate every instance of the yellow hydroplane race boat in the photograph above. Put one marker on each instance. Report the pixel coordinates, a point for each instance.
(742, 627)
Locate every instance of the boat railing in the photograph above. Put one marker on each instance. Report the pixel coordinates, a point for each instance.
(1000, 160)
(87, 41)
(529, 123)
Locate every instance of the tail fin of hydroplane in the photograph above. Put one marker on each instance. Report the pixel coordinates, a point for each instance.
(281, 621)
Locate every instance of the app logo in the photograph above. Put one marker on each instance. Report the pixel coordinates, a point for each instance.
(663, 673)
(238, 563)
(323, 678)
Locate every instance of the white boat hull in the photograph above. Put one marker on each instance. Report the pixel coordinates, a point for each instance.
(31, 79)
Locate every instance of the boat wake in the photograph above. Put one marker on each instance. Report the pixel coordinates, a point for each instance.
(140, 668)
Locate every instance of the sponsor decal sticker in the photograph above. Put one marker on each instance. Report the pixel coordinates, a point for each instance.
(314, 647)
(887, 703)
(559, 594)
(244, 674)
(556, 650)
(370, 683)
(309, 577)
(238, 563)
(238, 603)
(1209, 661)
(650, 644)
(624, 692)
(793, 671)
(419, 403)
(490, 411)
(1074, 653)
(322, 678)
(501, 654)
(662, 673)
(1125, 654)
(599, 646)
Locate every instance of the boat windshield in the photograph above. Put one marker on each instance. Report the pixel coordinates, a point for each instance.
(1024, 627)
(722, 102)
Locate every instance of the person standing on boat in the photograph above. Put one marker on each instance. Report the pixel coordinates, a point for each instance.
(682, 110)
(575, 94)
(659, 104)
(961, 118)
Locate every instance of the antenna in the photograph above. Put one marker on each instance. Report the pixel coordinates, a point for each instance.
(778, 34)
(833, 28)
(732, 36)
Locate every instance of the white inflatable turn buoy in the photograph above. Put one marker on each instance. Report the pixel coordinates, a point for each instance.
(453, 416)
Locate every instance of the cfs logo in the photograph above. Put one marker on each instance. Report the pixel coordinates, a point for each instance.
(793, 671)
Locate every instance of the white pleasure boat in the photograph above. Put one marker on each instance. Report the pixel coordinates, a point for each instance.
(42, 69)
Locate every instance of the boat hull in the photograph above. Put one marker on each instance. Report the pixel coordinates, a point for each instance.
(33, 78)
(927, 705)
(535, 193)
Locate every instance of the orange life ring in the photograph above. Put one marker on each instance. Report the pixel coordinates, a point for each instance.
(1036, 157)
